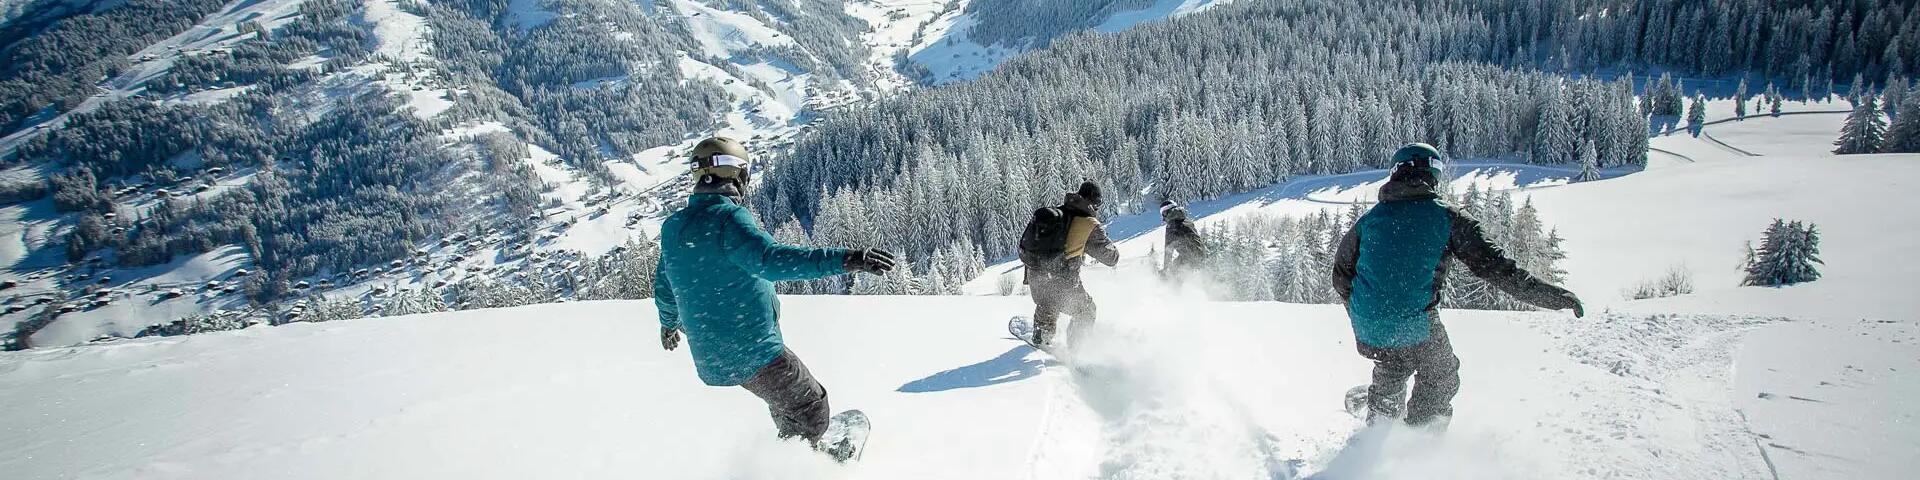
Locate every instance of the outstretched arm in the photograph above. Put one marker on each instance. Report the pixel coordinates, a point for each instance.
(753, 250)
(1488, 261)
(1346, 263)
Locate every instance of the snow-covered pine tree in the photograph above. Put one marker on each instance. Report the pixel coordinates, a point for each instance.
(1893, 96)
(1778, 101)
(1740, 100)
(1864, 132)
(1903, 135)
(1589, 164)
(1786, 256)
(1551, 142)
(1858, 91)
(1697, 113)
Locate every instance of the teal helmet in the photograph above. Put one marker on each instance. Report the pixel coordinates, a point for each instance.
(1419, 155)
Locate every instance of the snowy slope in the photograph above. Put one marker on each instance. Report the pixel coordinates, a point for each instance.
(581, 391)
(949, 54)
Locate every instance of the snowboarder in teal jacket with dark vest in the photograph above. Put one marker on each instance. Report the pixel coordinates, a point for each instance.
(715, 284)
(1391, 268)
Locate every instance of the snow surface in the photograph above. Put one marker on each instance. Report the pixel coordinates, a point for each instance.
(1160, 10)
(722, 33)
(951, 55)
(580, 390)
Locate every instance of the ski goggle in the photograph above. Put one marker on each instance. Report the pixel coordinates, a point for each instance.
(1432, 163)
(723, 166)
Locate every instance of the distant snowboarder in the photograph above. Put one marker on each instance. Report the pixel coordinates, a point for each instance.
(1052, 248)
(1390, 270)
(1186, 253)
(715, 284)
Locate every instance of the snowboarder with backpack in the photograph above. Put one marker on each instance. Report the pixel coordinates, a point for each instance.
(1390, 270)
(1186, 252)
(1052, 248)
(715, 284)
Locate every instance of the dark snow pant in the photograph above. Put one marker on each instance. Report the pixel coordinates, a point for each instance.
(1055, 294)
(797, 401)
(1435, 372)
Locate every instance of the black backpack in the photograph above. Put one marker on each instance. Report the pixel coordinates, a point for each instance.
(1043, 245)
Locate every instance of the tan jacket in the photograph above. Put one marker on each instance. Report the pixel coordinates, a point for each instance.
(1086, 237)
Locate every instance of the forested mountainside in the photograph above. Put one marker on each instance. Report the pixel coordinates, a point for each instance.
(1253, 92)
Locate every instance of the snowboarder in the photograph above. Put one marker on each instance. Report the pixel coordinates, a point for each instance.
(1390, 270)
(714, 283)
(1052, 248)
(1186, 253)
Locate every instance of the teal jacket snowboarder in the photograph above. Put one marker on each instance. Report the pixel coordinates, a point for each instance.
(1392, 267)
(715, 282)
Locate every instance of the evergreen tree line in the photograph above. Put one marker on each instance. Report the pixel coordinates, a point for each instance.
(1787, 254)
(1805, 42)
(1290, 259)
(1886, 123)
(1225, 101)
(57, 65)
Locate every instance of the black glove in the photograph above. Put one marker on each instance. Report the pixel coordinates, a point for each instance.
(1578, 309)
(871, 260)
(669, 338)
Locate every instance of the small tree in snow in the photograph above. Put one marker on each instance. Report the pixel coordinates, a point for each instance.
(1740, 101)
(1786, 256)
(1697, 113)
(1589, 163)
(1864, 132)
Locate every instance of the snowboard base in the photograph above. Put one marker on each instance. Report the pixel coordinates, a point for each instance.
(846, 436)
(1021, 327)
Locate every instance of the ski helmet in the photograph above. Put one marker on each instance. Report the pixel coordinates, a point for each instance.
(1172, 211)
(1419, 155)
(720, 159)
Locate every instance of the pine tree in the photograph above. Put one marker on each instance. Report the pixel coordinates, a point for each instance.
(1903, 136)
(1589, 164)
(1778, 100)
(1787, 254)
(1893, 97)
(1864, 132)
(1697, 113)
(1740, 100)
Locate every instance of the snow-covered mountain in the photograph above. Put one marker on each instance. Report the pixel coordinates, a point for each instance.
(763, 72)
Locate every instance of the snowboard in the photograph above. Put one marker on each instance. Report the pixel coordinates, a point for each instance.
(1021, 327)
(1357, 401)
(846, 436)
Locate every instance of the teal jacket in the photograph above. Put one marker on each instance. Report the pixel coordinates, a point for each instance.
(1392, 266)
(715, 283)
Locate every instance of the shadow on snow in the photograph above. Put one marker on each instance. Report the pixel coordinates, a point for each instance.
(1014, 365)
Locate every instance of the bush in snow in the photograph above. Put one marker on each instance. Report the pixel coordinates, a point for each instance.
(1786, 256)
(1677, 281)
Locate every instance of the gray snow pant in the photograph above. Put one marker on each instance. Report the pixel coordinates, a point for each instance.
(1435, 372)
(797, 401)
(1055, 294)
